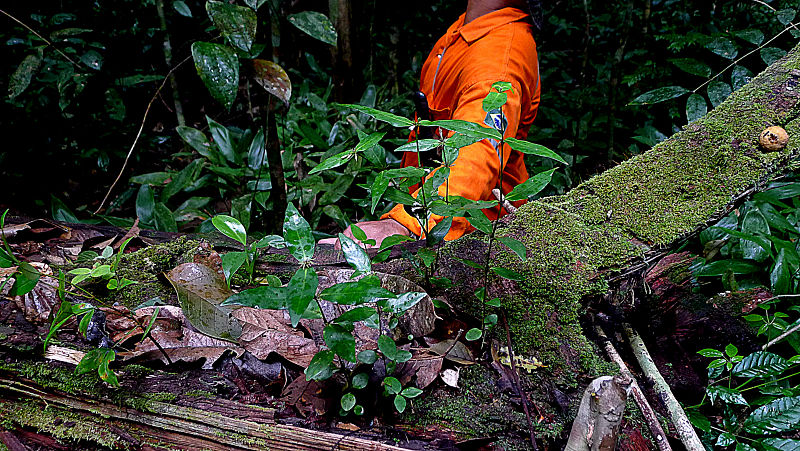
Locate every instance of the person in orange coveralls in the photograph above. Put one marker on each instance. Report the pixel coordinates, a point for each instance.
(492, 41)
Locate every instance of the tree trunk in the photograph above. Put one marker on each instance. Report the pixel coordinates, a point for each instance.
(590, 246)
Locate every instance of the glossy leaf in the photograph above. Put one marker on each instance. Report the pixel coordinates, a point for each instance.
(419, 145)
(379, 186)
(355, 255)
(473, 334)
(786, 15)
(723, 47)
(25, 279)
(218, 67)
(236, 23)
(507, 273)
(389, 349)
(772, 54)
(366, 289)
(753, 36)
(333, 162)
(181, 8)
(231, 262)
(464, 127)
(163, 218)
(321, 366)
(440, 230)
(514, 245)
(718, 91)
(780, 277)
(273, 79)
(367, 357)
(531, 187)
(530, 148)
(316, 25)
(340, 341)
(348, 401)
(400, 403)
(494, 101)
(383, 116)
(754, 223)
(721, 267)
(22, 76)
(198, 141)
(145, 205)
(696, 107)
(297, 234)
(230, 227)
(301, 290)
(264, 297)
(740, 76)
(659, 95)
(760, 364)
(780, 415)
(726, 395)
(692, 66)
(402, 302)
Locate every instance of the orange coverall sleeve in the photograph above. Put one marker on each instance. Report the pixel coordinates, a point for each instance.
(476, 170)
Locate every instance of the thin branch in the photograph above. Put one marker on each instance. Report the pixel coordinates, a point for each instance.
(49, 42)
(523, 397)
(780, 337)
(139, 133)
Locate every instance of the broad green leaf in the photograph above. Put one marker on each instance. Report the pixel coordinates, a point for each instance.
(164, 219)
(708, 352)
(740, 76)
(366, 289)
(91, 360)
(726, 395)
(367, 356)
(402, 302)
(772, 54)
(719, 268)
(355, 255)
(400, 403)
(230, 227)
(785, 16)
(355, 315)
(394, 240)
(92, 59)
(301, 289)
(759, 241)
(297, 234)
(753, 36)
(530, 148)
(23, 75)
(419, 145)
(273, 79)
(368, 142)
(348, 401)
(760, 364)
(200, 291)
(392, 385)
(333, 162)
(692, 66)
(223, 140)
(473, 334)
(61, 212)
(236, 23)
(263, 297)
(115, 106)
(63, 314)
(514, 245)
(754, 223)
(659, 95)
(696, 107)
(782, 444)
(411, 392)
(389, 348)
(145, 205)
(780, 277)
(180, 180)
(25, 279)
(439, 231)
(479, 220)
(391, 119)
(780, 415)
(231, 262)
(723, 47)
(316, 25)
(340, 341)
(465, 127)
(218, 67)
(531, 187)
(718, 91)
(507, 273)
(257, 153)
(321, 366)
(181, 8)
(379, 186)
(494, 101)
(199, 142)
(360, 380)
(151, 178)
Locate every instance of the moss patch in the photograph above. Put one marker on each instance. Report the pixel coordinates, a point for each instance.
(60, 423)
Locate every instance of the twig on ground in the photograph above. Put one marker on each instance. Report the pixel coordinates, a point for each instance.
(683, 427)
(647, 411)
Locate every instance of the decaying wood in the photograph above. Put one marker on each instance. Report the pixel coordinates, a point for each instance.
(603, 404)
(210, 425)
(684, 428)
(647, 411)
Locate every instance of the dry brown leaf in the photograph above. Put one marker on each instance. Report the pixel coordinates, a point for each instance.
(456, 351)
(178, 339)
(426, 369)
(308, 397)
(268, 331)
(39, 302)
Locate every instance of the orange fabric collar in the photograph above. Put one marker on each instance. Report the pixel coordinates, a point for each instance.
(479, 27)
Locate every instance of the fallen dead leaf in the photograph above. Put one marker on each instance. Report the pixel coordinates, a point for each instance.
(450, 377)
(268, 331)
(456, 351)
(37, 304)
(308, 397)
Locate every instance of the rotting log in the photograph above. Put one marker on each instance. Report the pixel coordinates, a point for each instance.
(207, 424)
(588, 244)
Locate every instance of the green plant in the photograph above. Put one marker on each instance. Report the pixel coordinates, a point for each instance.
(104, 268)
(25, 276)
(232, 261)
(756, 400)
